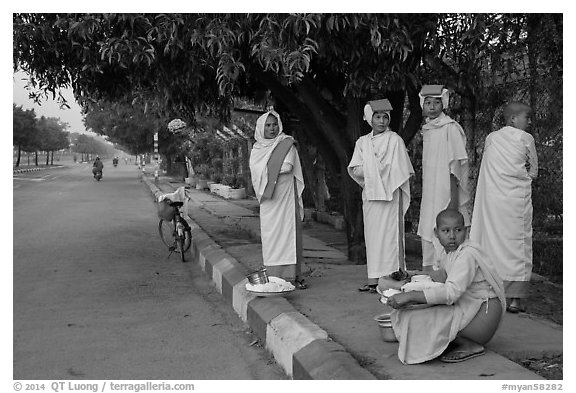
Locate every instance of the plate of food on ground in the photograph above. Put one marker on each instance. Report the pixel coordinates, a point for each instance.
(274, 287)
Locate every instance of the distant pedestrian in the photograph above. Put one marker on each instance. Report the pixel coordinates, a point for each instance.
(469, 298)
(381, 166)
(502, 217)
(278, 183)
(444, 169)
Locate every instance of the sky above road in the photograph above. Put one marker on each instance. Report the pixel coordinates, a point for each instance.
(48, 108)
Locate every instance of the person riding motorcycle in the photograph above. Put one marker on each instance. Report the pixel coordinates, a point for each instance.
(115, 161)
(97, 168)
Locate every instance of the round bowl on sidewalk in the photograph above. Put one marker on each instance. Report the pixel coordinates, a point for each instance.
(385, 325)
(258, 277)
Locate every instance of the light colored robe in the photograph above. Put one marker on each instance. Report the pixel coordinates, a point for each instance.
(381, 166)
(444, 153)
(423, 334)
(278, 225)
(502, 217)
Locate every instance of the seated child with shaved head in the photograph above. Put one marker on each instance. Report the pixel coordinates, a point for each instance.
(468, 305)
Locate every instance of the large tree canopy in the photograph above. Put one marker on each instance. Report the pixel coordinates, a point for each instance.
(51, 135)
(183, 63)
(23, 127)
(124, 124)
(32, 134)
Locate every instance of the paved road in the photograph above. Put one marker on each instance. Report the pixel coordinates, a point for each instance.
(95, 296)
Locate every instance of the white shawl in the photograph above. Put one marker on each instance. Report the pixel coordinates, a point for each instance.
(260, 154)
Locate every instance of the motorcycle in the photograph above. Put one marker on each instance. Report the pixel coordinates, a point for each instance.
(97, 174)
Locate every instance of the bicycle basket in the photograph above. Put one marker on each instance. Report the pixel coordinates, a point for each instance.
(165, 211)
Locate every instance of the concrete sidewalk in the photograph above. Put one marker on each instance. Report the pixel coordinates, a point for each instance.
(328, 331)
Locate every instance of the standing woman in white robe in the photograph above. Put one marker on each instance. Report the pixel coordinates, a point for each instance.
(381, 166)
(444, 169)
(502, 217)
(278, 183)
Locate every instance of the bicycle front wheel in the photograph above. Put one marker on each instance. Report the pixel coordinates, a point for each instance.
(187, 237)
(180, 247)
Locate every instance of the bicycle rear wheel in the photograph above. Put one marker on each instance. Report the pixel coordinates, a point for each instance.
(167, 232)
(170, 238)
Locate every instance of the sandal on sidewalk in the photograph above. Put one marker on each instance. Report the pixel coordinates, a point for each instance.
(300, 284)
(515, 307)
(368, 288)
(459, 355)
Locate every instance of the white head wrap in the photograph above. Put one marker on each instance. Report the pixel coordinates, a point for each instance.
(444, 96)
(260, 154)
(369, 110)
(261, 141)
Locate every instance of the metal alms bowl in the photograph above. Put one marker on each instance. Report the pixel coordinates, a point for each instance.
(385, 325)
(258, 277)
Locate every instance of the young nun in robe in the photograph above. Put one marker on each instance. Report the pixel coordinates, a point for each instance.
(278, 183)
(469, 299)
(381, 166)
(444, 169)
(502, 218)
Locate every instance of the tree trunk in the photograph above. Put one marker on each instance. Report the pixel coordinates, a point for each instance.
(246, 162)
(47, 157)
(321, 187)
(52, 158)
(36, 158)
(169, 164)
(412, 125)
(351, 192)
(533, 27)
(306, 153)
(397, 99)
(18, 157)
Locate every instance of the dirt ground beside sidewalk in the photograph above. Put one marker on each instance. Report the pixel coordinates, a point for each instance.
(546, 302)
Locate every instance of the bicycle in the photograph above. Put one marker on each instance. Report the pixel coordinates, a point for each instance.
(174, 231)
